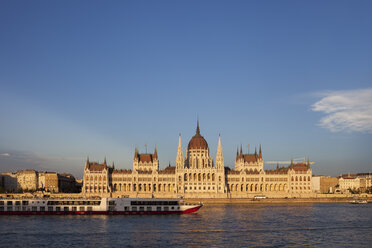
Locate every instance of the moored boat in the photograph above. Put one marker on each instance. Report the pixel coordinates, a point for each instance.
(104, 206)
(358, 201)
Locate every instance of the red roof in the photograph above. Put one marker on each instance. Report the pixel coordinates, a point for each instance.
(168, 170)
(250, 158)
(96, 167)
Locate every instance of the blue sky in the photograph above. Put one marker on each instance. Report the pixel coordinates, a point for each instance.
(96, 78)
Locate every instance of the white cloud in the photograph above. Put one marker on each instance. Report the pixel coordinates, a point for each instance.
(5, 155)
(346, 110)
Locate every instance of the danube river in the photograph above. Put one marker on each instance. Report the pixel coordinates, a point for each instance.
(250, 225)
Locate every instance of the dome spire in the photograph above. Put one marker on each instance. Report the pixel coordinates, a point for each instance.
(197, 127)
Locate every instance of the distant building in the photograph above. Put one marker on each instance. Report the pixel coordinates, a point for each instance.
(355, 182)
(198, 175)
(328, 184)
(9, 181)
(31, 180)
(27, 180)
(324, 184)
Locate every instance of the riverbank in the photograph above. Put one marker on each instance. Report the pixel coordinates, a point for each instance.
(275, 200)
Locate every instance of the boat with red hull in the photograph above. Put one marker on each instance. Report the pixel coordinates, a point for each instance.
(102, 206)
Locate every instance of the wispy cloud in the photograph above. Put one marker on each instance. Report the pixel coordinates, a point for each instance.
(4, 155)
(346, 110)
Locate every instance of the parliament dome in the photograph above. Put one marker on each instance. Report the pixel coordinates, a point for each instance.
(197, 141)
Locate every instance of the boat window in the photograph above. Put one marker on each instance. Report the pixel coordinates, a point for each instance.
(24, 203)
(158, 208)
(50, 209)
(23, 208)
(34, 208)
(82, 208)
(74, 208)
(17, 203)
(1, 203)
(9, 209)
(58, 209)
(65, 209)
(9, 203)
(142, 209)
(134, 208)
(1, 209)
(149, 209)
(89, 208)
(166, 208)
(42, 209)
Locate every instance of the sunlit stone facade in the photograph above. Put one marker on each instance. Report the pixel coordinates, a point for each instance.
(198, 175)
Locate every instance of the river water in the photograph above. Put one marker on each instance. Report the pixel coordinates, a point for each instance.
(255, 225)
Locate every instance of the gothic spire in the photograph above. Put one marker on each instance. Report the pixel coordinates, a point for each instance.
(260, 152)
(197, 127)
(219, 155)
(156, 153)
(255, 150)
(179, 159)
(135, 152)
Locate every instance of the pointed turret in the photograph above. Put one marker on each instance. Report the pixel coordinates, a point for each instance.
(237, 153)
(260, 152)
(104, 161)
(197, 127)
(113, 165)
(255, 151)
(155, 153)
(135, 152)
(179, 159)
(219, 156)
(87, 162)
(241, 151)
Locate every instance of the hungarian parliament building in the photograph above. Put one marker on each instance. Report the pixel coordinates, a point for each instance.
(197, 175)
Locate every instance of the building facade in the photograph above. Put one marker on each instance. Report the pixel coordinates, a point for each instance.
(355, 182)
(31, 180)
(198, 175)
